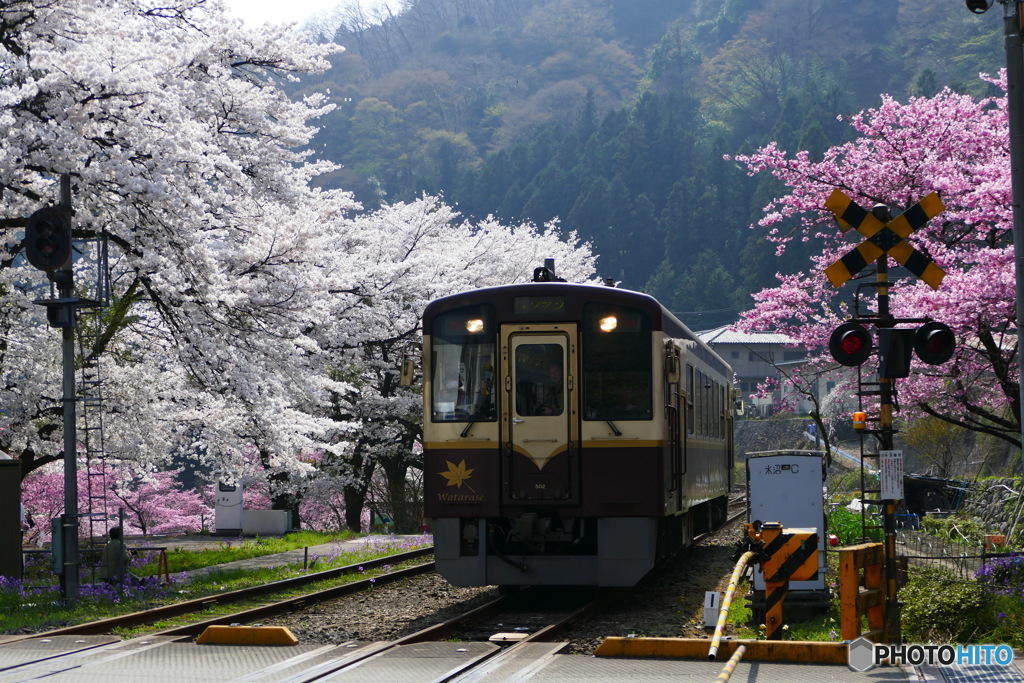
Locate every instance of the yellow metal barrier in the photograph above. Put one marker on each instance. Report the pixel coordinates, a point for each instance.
(790, 651)
(792, 554)
(858, 595)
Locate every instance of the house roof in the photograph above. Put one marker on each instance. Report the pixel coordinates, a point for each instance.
(729, 335)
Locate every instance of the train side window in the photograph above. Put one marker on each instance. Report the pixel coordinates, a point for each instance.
(713, 410)
(463, 345)
(702, 392)
(617, 363)
(724, 402)
(718, 410)
(689, 400)
(705, 400)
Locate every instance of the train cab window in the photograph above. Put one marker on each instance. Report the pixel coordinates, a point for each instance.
(463, 345)
(617, 366)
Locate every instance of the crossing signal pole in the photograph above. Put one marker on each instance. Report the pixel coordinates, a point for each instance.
(885, 443)
(850, 345)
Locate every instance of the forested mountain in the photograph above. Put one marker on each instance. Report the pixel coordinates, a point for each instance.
(613, 115)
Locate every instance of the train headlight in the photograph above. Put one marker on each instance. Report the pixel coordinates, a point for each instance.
(608, 323)
(475, 325)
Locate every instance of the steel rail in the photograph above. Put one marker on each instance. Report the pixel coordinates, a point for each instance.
(446, 628)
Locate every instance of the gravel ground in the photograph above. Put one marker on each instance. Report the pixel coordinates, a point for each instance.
(670, 603)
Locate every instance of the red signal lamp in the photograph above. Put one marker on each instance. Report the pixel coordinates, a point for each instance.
(934, 343)
(850, 344)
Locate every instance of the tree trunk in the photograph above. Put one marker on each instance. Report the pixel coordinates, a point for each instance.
(355, 499)
(282, 496)
(394, 474)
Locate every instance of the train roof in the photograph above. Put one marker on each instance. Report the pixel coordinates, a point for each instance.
(576, 296)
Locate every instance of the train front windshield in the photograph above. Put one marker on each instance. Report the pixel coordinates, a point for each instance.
(616, 363)
(463, 363)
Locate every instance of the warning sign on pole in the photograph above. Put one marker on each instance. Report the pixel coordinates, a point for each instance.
(890, 470)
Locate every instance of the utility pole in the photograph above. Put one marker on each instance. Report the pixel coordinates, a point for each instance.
(1012, 18)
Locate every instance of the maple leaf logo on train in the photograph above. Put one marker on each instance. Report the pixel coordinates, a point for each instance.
(457, 475)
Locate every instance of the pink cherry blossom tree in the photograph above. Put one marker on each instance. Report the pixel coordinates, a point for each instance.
(952, 144)
(152, 502)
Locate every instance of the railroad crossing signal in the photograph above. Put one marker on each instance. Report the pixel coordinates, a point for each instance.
(888, 238)
(934, 343)
(850, 344)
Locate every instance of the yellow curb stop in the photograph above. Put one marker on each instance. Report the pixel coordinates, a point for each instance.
(247, 635)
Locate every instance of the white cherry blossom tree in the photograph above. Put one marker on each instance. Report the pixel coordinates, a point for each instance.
(184, 150)
(258, 322)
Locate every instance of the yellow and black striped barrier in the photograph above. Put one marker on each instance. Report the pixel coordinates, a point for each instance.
(792, 554)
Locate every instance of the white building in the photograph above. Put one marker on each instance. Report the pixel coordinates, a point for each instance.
(756, 357)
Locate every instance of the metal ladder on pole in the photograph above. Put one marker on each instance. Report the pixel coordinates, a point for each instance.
(90, 397)
(869, 495)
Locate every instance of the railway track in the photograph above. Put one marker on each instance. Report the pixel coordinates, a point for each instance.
(514, 621)
(483, 625)
(487, 617)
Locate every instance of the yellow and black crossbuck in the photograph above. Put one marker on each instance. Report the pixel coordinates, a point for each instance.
(884, 238)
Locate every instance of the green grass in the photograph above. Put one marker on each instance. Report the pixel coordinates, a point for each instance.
(35, 603)
(936, 607)
(819, 628)
(181, 560)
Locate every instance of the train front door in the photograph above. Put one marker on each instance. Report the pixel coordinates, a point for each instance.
(540, 422)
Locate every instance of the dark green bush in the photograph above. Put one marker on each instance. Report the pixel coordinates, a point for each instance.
(939, 608)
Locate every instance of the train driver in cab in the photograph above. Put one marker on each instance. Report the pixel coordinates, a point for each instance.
(550, 399)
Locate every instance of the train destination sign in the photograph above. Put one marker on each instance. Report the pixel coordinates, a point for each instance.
(888, 238)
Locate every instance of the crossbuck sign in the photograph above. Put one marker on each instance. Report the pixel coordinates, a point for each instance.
(884, 238)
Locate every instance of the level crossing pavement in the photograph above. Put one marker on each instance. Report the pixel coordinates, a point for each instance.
(209, 662)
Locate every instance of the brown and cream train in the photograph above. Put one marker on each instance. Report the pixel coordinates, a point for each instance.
(573, 434)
